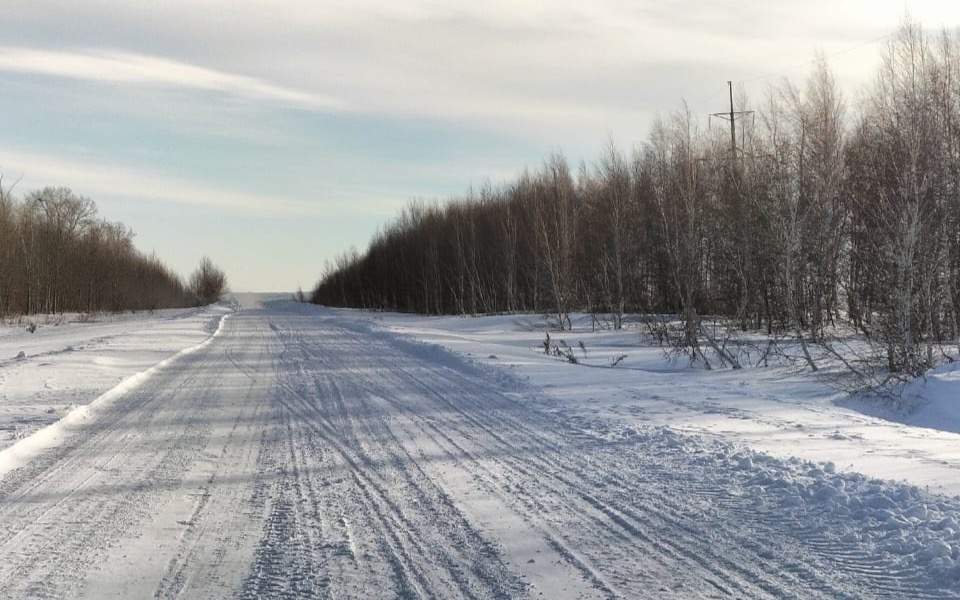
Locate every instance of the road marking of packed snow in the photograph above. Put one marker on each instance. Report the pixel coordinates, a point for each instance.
(26, 449)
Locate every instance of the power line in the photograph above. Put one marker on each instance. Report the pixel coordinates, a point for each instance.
(813, 60)
(782, 71)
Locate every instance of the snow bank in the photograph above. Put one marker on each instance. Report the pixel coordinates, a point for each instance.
(24, 450)
(898, 527)
(937, 397)
(46, 374)
(784, 410)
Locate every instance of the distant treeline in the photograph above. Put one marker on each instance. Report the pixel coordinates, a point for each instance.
(819, 217)
(57, 255)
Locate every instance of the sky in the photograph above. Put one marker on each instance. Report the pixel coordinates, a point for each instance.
(272, 136)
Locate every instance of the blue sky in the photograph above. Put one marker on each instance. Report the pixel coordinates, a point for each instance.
(271, 136)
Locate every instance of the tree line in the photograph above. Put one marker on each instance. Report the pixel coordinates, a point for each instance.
(821, 217)
(57, 255)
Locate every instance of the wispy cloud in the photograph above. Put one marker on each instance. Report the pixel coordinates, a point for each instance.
(140, 69)
(99, 180)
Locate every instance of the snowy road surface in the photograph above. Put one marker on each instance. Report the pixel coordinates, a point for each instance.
(300, 454)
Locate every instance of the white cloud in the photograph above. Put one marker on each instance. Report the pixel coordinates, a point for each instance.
(127, 67)
(561, 65)
(554, 70)
(97, 180)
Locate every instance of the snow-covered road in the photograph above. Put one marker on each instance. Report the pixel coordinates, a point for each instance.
(305, 454)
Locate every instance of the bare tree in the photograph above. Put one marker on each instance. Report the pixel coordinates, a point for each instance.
(816, 223)
(208, 282)
(56, 255)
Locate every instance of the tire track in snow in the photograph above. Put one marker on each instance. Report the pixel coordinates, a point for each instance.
(296, 457)
(55, 556)
(756, 572)
(589, 573)
(216, 526)
(381, 490)
(604, 523)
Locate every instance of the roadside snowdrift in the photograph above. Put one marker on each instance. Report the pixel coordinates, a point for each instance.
(938, 399)
(67, 364)
(785, 411)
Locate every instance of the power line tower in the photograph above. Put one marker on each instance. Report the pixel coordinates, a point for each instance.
(731, 116)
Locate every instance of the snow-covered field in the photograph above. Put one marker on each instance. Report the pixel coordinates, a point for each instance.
(70, 360)
(305, 452)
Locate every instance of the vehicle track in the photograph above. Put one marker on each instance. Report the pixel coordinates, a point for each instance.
(303, 456)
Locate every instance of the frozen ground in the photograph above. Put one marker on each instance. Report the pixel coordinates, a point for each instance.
(301, 452)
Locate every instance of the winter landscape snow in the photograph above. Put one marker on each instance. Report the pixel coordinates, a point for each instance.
(784, 410)
(70, 359)
(288, 450)
(558, 300)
